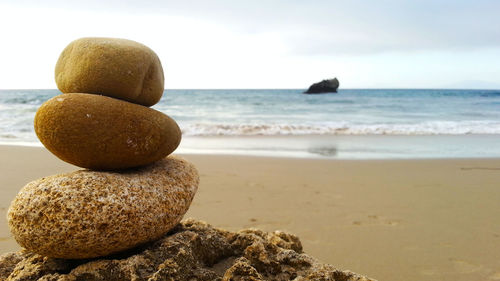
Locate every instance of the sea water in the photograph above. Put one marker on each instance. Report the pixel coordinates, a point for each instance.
(353, 123)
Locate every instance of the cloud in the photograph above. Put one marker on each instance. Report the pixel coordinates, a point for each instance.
(325, 27)
(359, 27)
(273, 43)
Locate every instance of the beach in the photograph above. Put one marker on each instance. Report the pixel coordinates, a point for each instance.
(395, 219)
(236, 140)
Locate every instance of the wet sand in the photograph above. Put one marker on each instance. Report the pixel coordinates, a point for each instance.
(387, 219)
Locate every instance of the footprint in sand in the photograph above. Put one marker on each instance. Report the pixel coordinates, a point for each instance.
(255, 185)
(377, 220)
(446, 245)
(336, 196)
(411, 248)
(429, 272)
(392, 222)
(480, 168)
(495, 276)
(462, 266)
(282, 225)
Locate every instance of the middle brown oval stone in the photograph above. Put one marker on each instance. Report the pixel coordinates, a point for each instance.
(103, 133)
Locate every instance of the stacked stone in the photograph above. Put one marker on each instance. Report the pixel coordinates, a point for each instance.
(130, 192)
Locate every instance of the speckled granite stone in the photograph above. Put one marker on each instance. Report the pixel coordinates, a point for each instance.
(114, 67)
(193, 250)
(87, 214)
(103, 133)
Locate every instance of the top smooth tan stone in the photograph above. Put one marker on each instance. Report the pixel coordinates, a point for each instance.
(118, 68)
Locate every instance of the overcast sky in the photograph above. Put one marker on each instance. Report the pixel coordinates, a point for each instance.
(267, 44)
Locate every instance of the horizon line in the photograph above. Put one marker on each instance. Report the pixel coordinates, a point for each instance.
(367, 88)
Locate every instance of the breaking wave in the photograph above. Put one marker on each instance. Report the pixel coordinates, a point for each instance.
(425, 128)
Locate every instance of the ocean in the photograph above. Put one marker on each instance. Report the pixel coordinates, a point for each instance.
(350, 124)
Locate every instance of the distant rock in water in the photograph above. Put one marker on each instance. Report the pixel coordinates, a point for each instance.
(193, 250)
(325, 86)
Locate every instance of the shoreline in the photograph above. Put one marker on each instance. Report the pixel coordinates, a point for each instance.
(420, 219)
(341, 147)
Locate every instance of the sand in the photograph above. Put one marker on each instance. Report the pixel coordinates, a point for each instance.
(388, 219)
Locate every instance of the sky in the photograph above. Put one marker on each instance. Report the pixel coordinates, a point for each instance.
(267, 44)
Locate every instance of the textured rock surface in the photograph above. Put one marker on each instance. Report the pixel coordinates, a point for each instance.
(113, 67)
(191, 251)
(104, 133)
(87, 214)
(325, 86)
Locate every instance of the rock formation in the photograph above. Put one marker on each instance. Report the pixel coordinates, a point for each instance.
(91, 213)
(325, 86)
(191, 251)
(123, 224)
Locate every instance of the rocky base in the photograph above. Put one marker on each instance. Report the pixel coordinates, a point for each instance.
(193, 250)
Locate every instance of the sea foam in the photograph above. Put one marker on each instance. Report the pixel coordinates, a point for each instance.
(424, 128)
